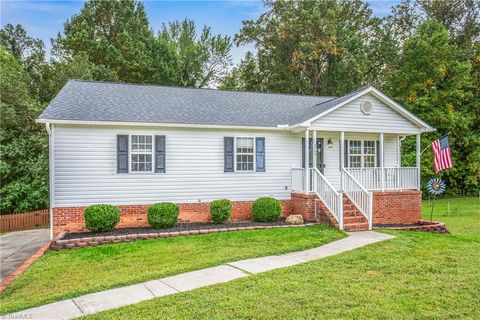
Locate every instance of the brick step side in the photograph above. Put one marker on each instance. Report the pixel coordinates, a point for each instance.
(353, 219)
(355, 227)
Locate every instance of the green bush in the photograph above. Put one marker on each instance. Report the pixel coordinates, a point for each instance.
(162, 215)
(220, 210)
(101, 217)
(266, 209)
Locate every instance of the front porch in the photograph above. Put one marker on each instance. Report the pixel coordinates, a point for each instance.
(361, 180)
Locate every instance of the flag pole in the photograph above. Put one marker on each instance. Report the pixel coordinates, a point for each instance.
(431, 144)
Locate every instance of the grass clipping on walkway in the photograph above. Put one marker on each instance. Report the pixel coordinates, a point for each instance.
(416, 275)
(70, 273)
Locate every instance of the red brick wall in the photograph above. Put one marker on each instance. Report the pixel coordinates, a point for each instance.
(397, 207)
(71, 219)
(391, 207)
(303, 204)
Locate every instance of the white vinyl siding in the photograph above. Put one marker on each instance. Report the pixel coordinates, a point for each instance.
(85, 167)
(381, 119)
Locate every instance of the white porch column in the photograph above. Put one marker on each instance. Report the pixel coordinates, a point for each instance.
(342, 157)
(314, 157)
(418, 160)
(307, 171)
(314, 149)
(382, 163)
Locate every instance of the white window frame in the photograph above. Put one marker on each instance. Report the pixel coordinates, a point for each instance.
(130, 153)
(254, 154)
(362, 153)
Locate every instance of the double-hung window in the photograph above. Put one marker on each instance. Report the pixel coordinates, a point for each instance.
(245, 154)
(362, 153)
(141, 153)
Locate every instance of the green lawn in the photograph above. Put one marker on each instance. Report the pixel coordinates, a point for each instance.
(69, 273)
(414, 276)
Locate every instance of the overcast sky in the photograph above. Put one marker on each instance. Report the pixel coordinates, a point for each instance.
(44, 19)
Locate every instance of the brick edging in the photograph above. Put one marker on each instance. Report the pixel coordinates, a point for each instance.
(422, 225)
(60, 243)
(24, 266)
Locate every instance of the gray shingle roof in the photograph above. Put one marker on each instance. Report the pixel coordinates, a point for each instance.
(116, 102)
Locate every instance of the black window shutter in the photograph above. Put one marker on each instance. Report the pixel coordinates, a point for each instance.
(260, 154)
(228, 154)
(122, 153)
(377, 149)
(345, 152)
(160, 151)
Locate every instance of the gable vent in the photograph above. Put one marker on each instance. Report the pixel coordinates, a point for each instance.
(366, 107)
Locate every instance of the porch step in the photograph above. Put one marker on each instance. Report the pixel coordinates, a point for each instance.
(355, 226)
(354, 219)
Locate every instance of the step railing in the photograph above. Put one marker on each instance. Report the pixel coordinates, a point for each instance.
(327, 194)
(358, 194)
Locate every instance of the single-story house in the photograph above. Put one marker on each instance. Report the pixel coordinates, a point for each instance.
(335, 159)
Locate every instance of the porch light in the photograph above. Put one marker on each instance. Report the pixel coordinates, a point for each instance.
(330, 143)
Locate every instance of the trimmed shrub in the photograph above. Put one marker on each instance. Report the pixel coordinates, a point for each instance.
(162, 215)
(101, 217)
(266, 209)
(220, 210)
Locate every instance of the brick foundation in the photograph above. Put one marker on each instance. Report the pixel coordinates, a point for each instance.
(397, 207)
(70, 219)
(390, 207)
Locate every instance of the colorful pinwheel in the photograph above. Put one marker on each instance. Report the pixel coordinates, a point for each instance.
(435, 187)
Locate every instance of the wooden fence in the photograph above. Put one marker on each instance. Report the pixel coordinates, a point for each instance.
(24, 221)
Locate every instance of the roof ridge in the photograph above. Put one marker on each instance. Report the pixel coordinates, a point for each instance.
(193, 88)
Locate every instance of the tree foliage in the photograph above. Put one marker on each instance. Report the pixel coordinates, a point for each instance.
(202, 59)
(317, 47)
(116, 37)
(23, 143)
(435, 83)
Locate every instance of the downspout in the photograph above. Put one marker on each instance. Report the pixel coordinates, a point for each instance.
(51, 167)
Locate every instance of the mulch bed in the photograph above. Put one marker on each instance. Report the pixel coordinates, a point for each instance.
(177, 227)
(88, 239)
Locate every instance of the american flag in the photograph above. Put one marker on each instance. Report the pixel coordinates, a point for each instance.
(443, 156)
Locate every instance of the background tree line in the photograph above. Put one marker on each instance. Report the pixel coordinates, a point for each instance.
(425, 54)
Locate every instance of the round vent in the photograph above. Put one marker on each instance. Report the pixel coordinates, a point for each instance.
(366, 107)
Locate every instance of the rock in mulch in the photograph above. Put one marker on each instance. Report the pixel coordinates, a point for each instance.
(294, 219)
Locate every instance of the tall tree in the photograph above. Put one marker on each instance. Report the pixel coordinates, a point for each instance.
(202, 59)
(23, 143)
(116, 37)
(317, 47)
(246, 76)
(30, 52)
(434, 82)
(461, 18)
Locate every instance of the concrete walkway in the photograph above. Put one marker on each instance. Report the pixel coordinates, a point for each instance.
(16, 247)
(114, 298)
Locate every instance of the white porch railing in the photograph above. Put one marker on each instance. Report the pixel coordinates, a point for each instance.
(329, 196)
(298, 177)
(361, 197)
(386, 178)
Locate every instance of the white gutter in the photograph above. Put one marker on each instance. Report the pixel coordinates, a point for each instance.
(51, 169)
(148, 124)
